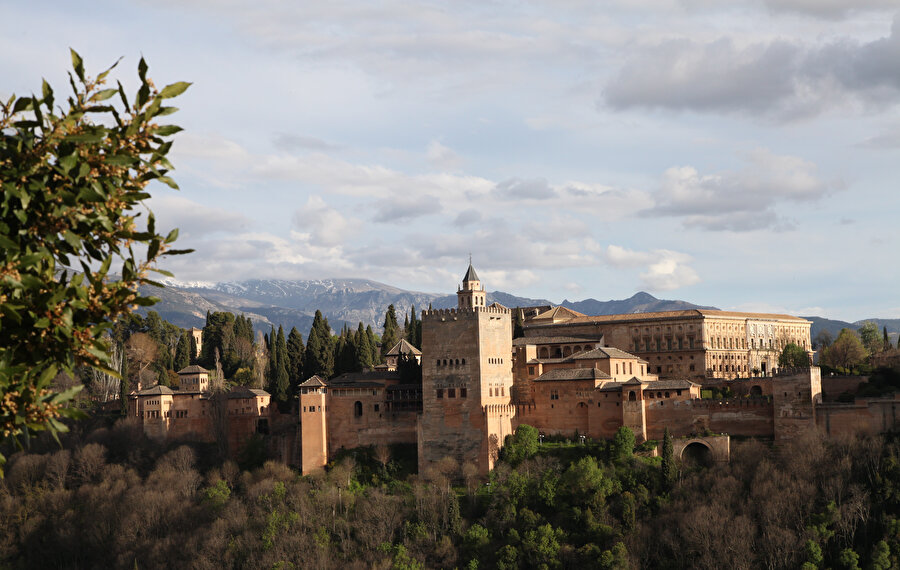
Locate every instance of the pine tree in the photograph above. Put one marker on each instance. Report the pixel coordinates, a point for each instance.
(182, 352)
(319, 357)
(391, 334)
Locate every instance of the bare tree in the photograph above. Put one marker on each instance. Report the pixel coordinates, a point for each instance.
(105, 387)
(142, 351)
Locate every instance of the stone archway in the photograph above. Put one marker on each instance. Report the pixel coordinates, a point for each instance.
(709, 449)
(696, 454)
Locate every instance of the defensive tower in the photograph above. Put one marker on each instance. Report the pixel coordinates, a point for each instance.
(466, 380)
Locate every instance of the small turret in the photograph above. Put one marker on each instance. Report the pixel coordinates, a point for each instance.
(471, 294)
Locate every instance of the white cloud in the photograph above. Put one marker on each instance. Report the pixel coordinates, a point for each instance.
(324, 225)
(442, 157)
(740, 200)
(831, 9)
(194, 220)
(664, 270)
(778, 78)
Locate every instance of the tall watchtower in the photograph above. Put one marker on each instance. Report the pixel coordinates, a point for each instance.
(466, 380)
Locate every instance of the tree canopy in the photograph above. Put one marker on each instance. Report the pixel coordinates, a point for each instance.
(72, 181)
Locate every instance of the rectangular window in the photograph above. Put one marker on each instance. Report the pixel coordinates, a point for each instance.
(462, 393)
(377, 407)
(440, 393)
(531, 369)
(451, 392)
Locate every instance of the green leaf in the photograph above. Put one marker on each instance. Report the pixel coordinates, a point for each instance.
(142, 70)
(168, 182)
(22, 104)
(174, 89)
(177, 251)
(47, 91)
(104, 94)
(77, 64)
(111, 67)
(173, 235)
(166, 130)
(163, 111)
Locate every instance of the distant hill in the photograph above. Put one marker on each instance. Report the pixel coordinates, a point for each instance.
(640, 302)
(292, 303)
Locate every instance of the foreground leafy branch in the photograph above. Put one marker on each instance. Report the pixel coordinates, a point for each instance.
(72, 182)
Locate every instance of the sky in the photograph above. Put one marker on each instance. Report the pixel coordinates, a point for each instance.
(741, 154)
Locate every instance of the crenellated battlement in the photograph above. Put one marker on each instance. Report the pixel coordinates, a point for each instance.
(465, 312)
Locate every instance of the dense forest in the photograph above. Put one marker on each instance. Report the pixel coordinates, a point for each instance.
(112, 498)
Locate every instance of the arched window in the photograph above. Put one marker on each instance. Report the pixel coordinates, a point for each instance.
(632, 396)
(357, 409)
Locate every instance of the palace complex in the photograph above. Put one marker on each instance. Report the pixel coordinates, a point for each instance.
(570, 373)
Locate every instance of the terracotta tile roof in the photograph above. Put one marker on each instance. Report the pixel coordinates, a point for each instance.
(403, 347)
(156, 391)
(557, 313)
(245, 392)
(535, 340)
(313, 382)
(379, 376)
(193, 369)
(603, 352)
(669, 385)
(687, 313)
(562, 374)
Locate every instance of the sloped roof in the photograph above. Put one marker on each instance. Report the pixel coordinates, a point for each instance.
(557, 314)
(313, 381)
(157, 390)
(244, 392)
(403, 347)
(669, 385)
(470, 274)
(368, 376)
(536, 340)
(634, 381)
(603, 352)
(564, 374)
(193, 369)
(686, 313)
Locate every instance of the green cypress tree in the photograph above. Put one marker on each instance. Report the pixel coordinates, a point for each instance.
(414, 329)
(668, 460)
(193, 352)
(391, 334)
(272, 366)
(282, 383)
(373, 346)
(363, 350)
(519, 328)
(887, 341)
(295, 350)
(319, 357)
(183, 352)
